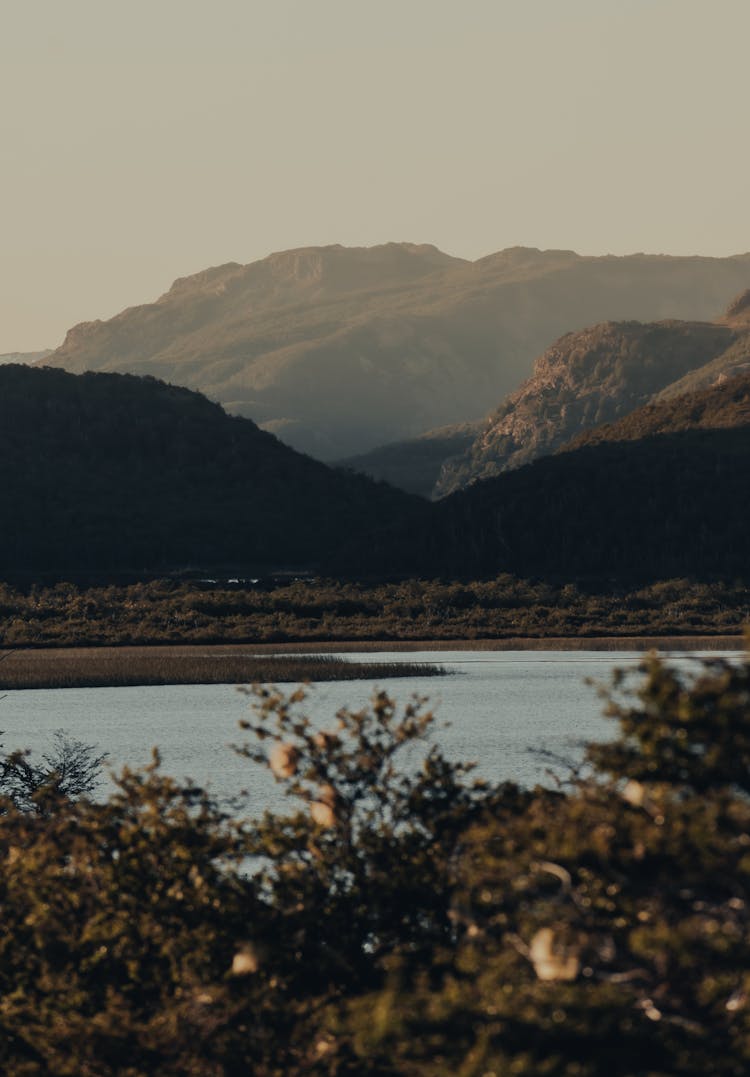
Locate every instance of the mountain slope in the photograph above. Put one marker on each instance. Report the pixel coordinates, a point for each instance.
(339, 350)
(662, 492)
(584, 379)
(108, 471)
(735, 360)
(724, 405)
(24, 357)
(415, 465)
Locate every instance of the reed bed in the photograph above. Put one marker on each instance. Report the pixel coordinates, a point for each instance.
(111, 668)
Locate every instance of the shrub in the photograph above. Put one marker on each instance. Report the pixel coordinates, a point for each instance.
(401, 918)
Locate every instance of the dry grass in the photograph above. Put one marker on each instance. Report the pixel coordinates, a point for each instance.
(113, 667)
(97, 667)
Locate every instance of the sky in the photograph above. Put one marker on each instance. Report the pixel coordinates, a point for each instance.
(145, 140)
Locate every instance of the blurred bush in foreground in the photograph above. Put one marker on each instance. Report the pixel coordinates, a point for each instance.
(402, 917)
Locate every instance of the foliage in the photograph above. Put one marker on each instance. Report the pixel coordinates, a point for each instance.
(506, 607)
(606, 929)
(69, 771)
(371, 848)
(119, 922)
(400, 918)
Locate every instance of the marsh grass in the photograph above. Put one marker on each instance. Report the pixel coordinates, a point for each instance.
(105, 668)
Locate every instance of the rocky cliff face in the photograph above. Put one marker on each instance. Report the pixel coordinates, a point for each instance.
(342, 349)
(585, 379)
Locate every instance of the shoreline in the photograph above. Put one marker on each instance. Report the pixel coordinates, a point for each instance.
(515, 643)
(723, 642)
(277, 663)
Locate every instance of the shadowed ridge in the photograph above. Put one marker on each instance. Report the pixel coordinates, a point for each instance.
(116, 472)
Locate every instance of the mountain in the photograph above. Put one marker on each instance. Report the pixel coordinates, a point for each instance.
(339, 350)
(415, 465)
(116, 472)
(597, 375)
(585, 379)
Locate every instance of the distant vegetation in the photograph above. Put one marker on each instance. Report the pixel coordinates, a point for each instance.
(320, 611)
(400, 918)
(341, 349)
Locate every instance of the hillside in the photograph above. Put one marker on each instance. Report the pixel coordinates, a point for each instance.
(24, 357)
(586, 378)
(339, 350)
(663, 506)
(738, 311)
(115, 472)
(723, 405)
(735, 360)
(415, 465)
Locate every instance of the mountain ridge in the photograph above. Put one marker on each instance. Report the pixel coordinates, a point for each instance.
(344, 349)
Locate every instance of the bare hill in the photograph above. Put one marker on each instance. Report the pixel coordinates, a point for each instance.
(339, 350)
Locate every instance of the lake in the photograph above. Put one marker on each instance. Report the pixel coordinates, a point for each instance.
(500, 709)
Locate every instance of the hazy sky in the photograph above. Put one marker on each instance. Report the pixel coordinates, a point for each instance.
(142, 140)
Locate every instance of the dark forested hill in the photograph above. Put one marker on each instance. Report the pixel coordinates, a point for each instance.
(117, 473)
(108, 471)
(339, 350)
(662, 506)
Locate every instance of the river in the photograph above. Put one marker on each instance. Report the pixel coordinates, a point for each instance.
(500, 709)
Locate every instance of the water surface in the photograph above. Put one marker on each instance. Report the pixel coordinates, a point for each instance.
(501, 709)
